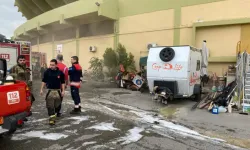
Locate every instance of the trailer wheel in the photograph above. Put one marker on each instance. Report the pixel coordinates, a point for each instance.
(197, 97)
(167, 54)
(197, 92)
(118, 84)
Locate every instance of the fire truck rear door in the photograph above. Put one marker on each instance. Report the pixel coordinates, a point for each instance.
(10, 54)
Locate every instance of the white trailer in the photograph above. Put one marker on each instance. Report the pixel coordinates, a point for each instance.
(174, 71)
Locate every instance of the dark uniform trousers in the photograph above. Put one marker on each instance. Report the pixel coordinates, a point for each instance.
(53, 100)
(75, 95)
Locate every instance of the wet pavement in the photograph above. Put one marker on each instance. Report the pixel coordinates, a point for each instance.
(105, 124)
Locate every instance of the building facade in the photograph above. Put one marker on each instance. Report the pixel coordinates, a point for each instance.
(79, 24)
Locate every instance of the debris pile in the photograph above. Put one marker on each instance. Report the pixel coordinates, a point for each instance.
(223, 96)
(134, 81)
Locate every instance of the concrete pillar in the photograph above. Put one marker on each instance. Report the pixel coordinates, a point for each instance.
(116, 34)
(53, 45)
(38, 43)
(77, 40)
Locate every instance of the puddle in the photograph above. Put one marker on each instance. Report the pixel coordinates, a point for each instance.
(120, 93)
(104, 127)
(86, 137)
(56, 147)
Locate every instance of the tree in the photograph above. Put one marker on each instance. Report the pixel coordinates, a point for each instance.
(122, 54)
(111, 61)
(127, 60)
(96, 65)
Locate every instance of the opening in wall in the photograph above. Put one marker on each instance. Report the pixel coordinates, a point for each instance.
(46, 38)
(97, 28)
(33, 41)
(65, 34)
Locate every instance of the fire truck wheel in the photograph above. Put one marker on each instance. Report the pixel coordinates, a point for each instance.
(12, 131)
(167, 54)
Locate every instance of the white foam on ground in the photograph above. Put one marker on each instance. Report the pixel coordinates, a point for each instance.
(63, 126)
(53, 136)
(39, 134)
(164, 123)
(39, 120)
(110, 109)
(97, 147)
(35, 112)
(104, 127)
(88, 143)
(132, 136)
(71, 131)
(174, 127)
(79, 119)
(72, 148)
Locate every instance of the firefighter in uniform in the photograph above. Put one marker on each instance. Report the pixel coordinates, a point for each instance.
(62, 67)
(55, 82)
(20, 72)
(75, 75)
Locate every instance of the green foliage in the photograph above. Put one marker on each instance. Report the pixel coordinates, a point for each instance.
(112, 59)
(122, 54)
(130, 65)
(127, 60)
(96, 66)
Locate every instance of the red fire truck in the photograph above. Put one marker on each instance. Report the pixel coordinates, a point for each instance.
(15, 97)
(38, 59)
(10, 51)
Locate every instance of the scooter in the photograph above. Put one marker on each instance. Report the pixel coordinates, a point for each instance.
(162, 95)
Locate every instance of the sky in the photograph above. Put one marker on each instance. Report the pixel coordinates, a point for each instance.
(10, 18)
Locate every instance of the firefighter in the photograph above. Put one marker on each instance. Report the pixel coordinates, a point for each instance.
(62, 67)
(55, 82)
(75, 74)
(22, 73)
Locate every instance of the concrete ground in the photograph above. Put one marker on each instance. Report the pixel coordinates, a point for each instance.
(123, 119)
(233, 127)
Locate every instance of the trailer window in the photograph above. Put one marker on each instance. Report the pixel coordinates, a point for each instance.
(198, 65)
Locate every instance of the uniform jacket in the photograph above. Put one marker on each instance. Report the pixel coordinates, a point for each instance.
(20, 72)
(75, 73)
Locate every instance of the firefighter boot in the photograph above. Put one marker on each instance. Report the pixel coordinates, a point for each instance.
(76, 111)
(52, 120)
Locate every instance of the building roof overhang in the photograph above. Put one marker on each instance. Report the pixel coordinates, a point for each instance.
(70, 15)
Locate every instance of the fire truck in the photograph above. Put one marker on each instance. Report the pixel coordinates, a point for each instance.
(10, 50)
(38, 59)
(15, 97)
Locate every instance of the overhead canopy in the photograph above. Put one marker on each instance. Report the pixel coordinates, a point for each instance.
(62, 15)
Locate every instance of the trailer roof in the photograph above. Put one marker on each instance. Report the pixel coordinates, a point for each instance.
(191, 47)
